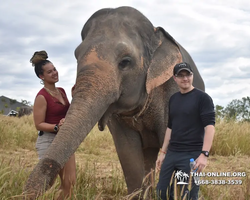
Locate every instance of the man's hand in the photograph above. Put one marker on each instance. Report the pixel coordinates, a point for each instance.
(159, 161)
(201, 162)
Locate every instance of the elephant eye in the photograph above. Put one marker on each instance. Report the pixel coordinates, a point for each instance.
(125, 62)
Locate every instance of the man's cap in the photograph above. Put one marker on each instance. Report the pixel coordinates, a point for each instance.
(182, 66)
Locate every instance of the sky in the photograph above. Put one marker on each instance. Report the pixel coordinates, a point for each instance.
(216, 33)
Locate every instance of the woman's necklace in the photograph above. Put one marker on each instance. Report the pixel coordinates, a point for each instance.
(52, 93)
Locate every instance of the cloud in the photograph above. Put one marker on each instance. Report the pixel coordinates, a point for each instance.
(216, 34)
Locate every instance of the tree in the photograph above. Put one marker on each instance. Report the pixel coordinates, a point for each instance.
(25, 102)
(219, 112)
(24, 110)
(232, 110)
(12, 101)
(236, 110)
(245, 108)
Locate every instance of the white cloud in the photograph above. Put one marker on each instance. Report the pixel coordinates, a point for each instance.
(216, 33)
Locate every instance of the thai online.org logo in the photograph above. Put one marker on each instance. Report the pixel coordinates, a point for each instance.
(223, 178)
(182, 177)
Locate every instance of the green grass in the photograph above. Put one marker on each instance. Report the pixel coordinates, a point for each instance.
(99, 174)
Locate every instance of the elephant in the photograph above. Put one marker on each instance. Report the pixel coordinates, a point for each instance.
(124, 80)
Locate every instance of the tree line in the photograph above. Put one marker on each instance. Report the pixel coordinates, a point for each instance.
(237, 110)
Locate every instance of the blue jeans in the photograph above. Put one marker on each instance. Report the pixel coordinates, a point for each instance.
(173, 162)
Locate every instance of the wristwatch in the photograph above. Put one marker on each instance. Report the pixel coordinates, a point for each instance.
(56, 128)
(206, 153)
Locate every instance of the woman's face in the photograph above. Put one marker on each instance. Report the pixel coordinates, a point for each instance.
(50, 74)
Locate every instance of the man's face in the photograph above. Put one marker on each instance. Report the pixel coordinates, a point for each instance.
(184, 79)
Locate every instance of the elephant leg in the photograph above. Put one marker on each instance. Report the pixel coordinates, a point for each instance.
(150, 156)
(129, 149)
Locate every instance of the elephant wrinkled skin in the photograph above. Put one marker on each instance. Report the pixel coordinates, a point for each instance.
(124, 80)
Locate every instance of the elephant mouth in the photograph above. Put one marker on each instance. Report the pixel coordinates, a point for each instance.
(139, 111)
(134, 114)
(104, 119)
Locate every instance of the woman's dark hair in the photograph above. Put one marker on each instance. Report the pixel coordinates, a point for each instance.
(39, 59)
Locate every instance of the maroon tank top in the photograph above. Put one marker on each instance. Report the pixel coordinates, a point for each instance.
(55, 109)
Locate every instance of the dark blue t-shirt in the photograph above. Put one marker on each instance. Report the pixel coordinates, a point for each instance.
(189, 114)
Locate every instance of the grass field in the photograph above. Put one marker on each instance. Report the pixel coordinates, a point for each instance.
(99, 174)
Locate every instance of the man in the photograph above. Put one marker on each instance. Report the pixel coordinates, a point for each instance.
(189, 133)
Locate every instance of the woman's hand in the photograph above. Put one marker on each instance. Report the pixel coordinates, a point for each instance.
(61, 122)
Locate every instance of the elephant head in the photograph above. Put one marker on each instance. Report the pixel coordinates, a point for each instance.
(121, 61)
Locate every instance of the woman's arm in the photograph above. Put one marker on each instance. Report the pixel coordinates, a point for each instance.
(39, 113)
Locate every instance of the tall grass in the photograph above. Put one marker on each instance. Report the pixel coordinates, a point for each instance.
(17, 132)
(99, 174)
(231, 138)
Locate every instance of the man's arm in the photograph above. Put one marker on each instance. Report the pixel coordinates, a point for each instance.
(208, 137)
(201, 161)
(166, 140)
(163, 150)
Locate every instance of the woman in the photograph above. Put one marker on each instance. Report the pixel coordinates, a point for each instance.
(50, 107)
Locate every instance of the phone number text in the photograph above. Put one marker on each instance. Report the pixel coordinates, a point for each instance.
(218, 182)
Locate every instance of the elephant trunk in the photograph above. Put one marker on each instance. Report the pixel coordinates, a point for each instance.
(94, 92)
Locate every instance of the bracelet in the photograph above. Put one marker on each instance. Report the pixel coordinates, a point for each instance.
(163, 151)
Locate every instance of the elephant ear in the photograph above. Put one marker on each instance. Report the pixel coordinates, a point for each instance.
(165, 57)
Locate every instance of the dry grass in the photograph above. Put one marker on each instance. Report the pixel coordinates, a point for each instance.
(99, 175)
(231, 138)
